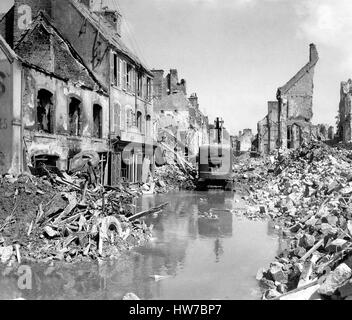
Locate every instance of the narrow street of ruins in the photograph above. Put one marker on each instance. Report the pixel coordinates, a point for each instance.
(189, 256)
(214, 162)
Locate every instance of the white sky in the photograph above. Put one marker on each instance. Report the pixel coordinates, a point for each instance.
(236, 53)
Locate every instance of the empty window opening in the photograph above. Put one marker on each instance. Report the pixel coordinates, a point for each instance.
(139, 120)
(124, 74)
(289, 137)
(148, 125)
(45, 111)
(149, 89)
(75, 117)
(97, 121)
(140, 84)
(129, 119)
(46, 161)
(131, 80)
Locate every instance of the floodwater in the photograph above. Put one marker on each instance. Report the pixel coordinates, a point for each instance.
(192, 257)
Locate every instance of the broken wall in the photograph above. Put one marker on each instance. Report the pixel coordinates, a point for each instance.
(296, 105)
(345, 132)
(273, 126)
(88, 42)
(300, 98)
(245, 141)
(61, 143)
(263, 136)
(10, 115)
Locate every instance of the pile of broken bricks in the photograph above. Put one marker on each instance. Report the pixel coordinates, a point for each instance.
(308, 195)
(171, 177)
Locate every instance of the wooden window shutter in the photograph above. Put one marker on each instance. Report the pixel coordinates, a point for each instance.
(119, 72)
(124, 75)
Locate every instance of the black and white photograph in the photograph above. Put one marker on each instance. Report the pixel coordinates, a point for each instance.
(158, 151)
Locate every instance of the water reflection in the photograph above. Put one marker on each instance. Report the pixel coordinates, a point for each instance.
(204, 258)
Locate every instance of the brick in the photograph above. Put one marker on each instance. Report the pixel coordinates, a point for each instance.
(335, 280)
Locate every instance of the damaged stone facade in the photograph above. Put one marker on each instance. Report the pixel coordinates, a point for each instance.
(180, 122)
(288, 122)
(344, 118)
(10, 110)
(268, 129)
(323, 132)
(82, 88)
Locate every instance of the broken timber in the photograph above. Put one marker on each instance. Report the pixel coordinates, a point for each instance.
(307, 286)
(150, 211)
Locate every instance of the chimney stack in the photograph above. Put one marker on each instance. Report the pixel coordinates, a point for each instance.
(173, 81)
(114, 18)
(313, 53)
(194, 100)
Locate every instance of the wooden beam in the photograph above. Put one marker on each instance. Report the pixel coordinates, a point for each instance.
(146, 212)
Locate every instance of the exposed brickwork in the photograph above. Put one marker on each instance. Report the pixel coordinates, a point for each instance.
(288, 123)
(345, 123)
(72, 55)
(296, 105)
(44, 48)
(176, 112)
(20, 10)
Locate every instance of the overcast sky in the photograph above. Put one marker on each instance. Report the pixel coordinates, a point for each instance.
(236, 53)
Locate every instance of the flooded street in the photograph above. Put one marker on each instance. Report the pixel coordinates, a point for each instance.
(189, 257)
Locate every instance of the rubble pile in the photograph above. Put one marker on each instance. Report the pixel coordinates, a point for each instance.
(308, 193)
(171, 177)
(65, 219)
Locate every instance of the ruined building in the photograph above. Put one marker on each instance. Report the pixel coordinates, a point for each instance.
(268, 129)
(242, 143)
(344, 118)
(69, 85)
(180, 123)
(288, 122)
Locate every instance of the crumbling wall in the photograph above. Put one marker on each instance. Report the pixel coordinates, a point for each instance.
(87, 41)
(345, 111)
(61, 143)
(245, 140)
(263, 136)
(159, 84)
(300, 98)
(10, 112)
(273, 126)
(174, 85)
(24, 13)
(296, 105)
(6, 116)
(268, 129)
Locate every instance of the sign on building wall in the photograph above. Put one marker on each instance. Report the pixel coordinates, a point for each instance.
(5, 114)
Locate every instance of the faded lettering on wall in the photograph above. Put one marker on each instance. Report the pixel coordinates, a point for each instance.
(25, 17)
